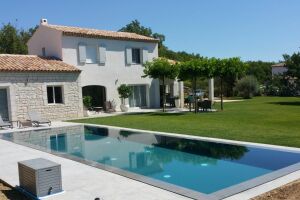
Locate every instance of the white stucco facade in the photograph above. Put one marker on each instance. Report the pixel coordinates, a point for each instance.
(47, 38)
(111, 74)
(111, 68)
(278, 70)
(115, 71)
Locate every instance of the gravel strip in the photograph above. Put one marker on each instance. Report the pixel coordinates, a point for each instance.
(9, 193)
(289, 191)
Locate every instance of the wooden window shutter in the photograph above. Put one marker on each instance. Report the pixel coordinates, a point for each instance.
(101, 58)
(144, 55)
(128, 55)
(82, 52)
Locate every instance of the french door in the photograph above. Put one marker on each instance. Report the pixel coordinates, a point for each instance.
(138, 97)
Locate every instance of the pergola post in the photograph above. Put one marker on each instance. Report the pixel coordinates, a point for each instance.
(181, 93)
(211, 95)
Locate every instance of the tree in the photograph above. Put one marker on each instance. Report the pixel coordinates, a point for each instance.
(10, 41)
(161, 39)
(293, 64)
(230, 67)
(161, 69)
(261, 70)
(293, 73)
(194, 69)
(124, 92)
(180, 56)
(136, 27)
(288, 83)
(247, 87)
(13, 41)
(163, 51)
(25, 35)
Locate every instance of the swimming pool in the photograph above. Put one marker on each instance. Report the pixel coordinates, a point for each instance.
(190, 167)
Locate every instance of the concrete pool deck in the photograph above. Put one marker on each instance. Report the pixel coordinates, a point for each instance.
(81, 181)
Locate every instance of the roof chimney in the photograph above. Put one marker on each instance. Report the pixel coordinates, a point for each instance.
(44, 22)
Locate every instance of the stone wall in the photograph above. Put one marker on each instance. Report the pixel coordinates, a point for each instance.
(28, 91)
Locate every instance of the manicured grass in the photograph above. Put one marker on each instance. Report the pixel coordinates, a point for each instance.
(272, 120)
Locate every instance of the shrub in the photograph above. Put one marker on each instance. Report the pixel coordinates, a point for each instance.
(288, 89)
(281, 86)
(273, 87)
(87, 101)
(247, 87)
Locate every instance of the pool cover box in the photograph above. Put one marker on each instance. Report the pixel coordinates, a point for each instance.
(40, 177)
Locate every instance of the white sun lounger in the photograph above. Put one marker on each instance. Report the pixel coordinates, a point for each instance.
(36, 119)
(5, 123)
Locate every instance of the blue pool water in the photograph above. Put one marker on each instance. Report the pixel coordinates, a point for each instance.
(201, 166)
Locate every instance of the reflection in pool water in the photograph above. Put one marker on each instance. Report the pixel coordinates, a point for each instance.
(202, 166)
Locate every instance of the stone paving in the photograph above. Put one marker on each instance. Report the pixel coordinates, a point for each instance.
(80, 181)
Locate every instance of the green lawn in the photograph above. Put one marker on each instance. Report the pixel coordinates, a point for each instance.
(272, 120)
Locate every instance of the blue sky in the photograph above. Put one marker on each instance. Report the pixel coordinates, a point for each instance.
(250, 29)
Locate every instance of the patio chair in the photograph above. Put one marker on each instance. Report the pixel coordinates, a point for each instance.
(205, 105)
(36, 119)
(5, 123)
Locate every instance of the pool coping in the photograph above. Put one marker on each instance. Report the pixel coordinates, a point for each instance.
(221, 194)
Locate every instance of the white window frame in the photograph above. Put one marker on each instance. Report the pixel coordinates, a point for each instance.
(53, 90)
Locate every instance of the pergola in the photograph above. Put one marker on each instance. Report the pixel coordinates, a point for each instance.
(211, 88)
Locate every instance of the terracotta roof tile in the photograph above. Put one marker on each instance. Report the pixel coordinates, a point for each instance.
(94, 33)
(33, 63)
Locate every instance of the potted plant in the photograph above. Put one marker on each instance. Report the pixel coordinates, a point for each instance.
(124, 92)
(87, 103)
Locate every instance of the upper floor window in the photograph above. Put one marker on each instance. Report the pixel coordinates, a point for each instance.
(44, 52)
(136, 56)
(55, 94)
(91, 54)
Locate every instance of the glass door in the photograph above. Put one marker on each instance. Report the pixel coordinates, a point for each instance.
(3, 104)
(138, 97)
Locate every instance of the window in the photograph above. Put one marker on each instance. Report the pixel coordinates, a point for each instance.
(91, 54)
(138, 97)
(44, 52)
(54, 94)
(4, 104)
(136, 56)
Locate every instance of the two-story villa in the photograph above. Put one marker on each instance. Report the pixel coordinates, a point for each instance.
(107, 59)
(104, 60)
